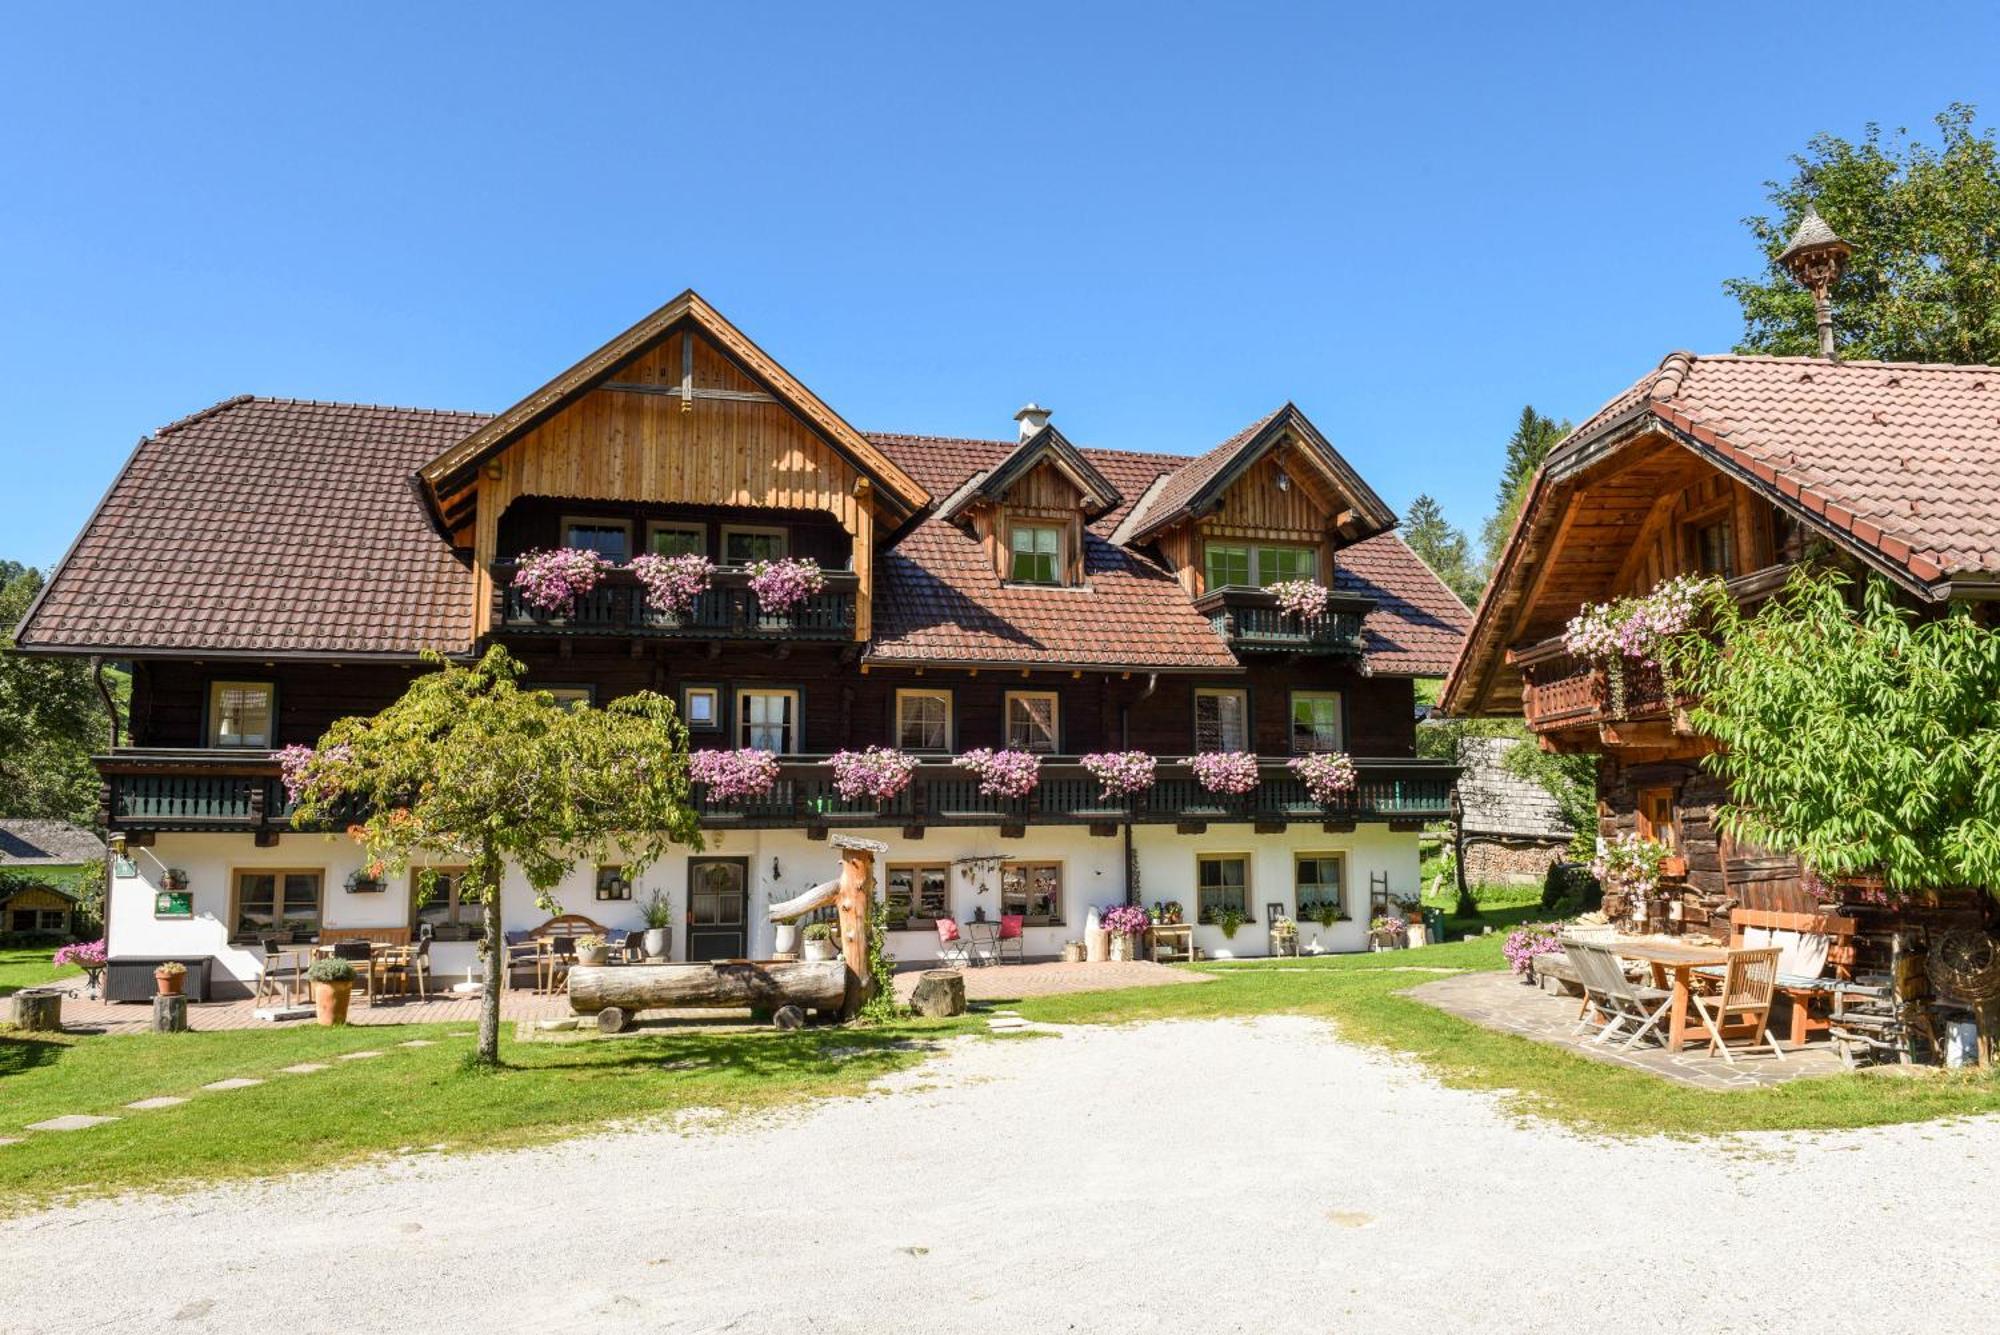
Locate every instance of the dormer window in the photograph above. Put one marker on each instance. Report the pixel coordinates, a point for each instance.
(1257, 565)
(1037, 553)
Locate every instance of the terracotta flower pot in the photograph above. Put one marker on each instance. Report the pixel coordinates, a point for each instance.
(169, 984)
(1673, 866)
(330, 1001)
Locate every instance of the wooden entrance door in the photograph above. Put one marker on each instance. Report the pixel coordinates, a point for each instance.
(718, 908)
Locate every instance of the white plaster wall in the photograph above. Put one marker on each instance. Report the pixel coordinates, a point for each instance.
(783, 863)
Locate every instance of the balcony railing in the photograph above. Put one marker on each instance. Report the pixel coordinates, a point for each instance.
(176, 790)
(729, 610)
(1250, 619)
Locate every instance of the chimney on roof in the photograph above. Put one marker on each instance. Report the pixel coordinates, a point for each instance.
(1033, 417)
(1815, 258)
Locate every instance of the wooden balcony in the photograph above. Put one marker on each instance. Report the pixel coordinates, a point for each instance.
(1250, 620)
(727, 611)
(218, 790)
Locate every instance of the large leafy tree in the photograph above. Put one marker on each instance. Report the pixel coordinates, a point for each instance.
(469, 769)
(1443, 548)
(51, 718)
(1534, 436)
(1923, 283)
(1854, 733)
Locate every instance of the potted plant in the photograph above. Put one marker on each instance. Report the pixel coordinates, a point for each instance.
(820, 939)
(1229, 920)
(785, 937)
(1388, 932)
(1168, 914)
(658, 913)
(365, 880)
(170, 977)
(592, 950)
(1326, 913)
(177, 879)
(333, 986)
(1127, 924)
(1284, 937)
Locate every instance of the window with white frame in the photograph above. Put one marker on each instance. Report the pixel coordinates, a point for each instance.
(1222, 884)
(1221, 719)
(923, 720)
(240, 713)
(677, 539)
(1033, 721)
(1037, 553)
(741, 546)
(572, 697)
(1032, 889)
(609, 538)
(701, 708)
(1319, 880)
(768, 720)
(1315, 721)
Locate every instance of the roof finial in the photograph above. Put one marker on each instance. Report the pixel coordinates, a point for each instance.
(1815, 258)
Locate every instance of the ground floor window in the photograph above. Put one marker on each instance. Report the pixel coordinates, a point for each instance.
(1033, 890)
(444, 911)
(38, 920)
(1222, 883)
(277, 901)
(1318, 882)
(1655, 818)
(917, 892)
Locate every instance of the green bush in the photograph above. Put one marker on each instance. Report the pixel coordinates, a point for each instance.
(1569, 889)
(822, 931)
(331, 971)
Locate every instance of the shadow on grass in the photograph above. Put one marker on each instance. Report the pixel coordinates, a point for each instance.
(20, 1053)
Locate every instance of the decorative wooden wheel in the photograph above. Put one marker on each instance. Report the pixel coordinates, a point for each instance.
(1964, 963)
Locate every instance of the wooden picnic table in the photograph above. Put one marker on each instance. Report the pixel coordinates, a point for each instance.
(1678, 961)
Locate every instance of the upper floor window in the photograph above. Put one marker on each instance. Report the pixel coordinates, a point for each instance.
(1315, 721)
(609, 538)
(923, 720)
(1033, 720)
(1037, 553)
(240, 713)
(1226, 566)
(1221, 720)
(1276, 564)
(742, 546)
(677, 540)
(1241, 564)
(1714, 547)
(572, 697)
(768, 720)
(701, 708)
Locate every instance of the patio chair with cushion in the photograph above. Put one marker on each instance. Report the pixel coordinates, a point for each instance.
(1744, 1003)
(953, 948)
(1012, 939)
(1621, 1003)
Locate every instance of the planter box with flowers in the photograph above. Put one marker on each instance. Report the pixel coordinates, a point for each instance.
(1229, 777)
(672, 584)
(1328, 776)
(1121, 776)
(734, 776)
(551, 583)
(783, 586)
(878, 776)
(1010, 775)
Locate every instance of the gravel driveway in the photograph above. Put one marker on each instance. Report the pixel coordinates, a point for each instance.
(1213, 1176)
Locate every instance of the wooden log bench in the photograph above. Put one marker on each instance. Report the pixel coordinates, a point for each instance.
(1557, 976)
(616, 993)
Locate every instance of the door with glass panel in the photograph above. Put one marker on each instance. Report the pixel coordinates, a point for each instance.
(718, 908)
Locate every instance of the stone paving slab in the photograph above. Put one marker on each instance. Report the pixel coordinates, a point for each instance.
(10, 1140)
(234, 1082)
(1501, 1001)
(362, 1055)
(418, 1043)
(163, 1101)
(70, 1122)
(304, 1068)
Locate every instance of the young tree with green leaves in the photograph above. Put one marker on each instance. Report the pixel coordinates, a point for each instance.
(1443, 548)
(1862, 738)
(469, 769)
(1923, 283)
(51, 719)
(1534, 436)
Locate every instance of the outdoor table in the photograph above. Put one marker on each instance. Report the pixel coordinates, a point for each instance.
(376, 951)
(1678, 961)
(984, 938)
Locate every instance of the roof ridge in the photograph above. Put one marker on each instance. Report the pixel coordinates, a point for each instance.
(210, 411)
(1113, 452)
(1671, 374)
(1838, 362)
(351, 403)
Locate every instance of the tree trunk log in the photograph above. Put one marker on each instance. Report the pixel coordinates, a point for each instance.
(940, 994)
(636, 987)
(40, 1012)
(170, 1015)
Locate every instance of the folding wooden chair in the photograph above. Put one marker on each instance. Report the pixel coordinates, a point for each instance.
(1744, 1003)
(1620, 1001)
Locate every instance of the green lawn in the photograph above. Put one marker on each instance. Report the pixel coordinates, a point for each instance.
(22, 966)
(1360, 995)
(410, 1099)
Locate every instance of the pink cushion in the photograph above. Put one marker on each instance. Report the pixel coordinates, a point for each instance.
(947, 930)
(1010, 926)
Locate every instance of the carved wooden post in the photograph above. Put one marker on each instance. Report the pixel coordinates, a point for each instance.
(853, 900)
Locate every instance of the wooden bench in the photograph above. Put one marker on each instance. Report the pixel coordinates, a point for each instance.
(1802, 992)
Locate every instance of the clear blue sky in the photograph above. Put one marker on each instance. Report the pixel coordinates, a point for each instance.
(1159, 220)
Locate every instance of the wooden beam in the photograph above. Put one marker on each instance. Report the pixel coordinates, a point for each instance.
(683, 392)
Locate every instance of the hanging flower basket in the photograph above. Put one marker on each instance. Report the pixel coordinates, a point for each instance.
(732, 776)
(1121, 773)
(672, 583)
(880, 773)
(1327, 775)
(551, 582)
(1231, 773)
(1302, 598)
(782, 586)
(1003, 773)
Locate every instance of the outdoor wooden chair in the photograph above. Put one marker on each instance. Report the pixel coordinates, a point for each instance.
(361, 954)
(1619, 1003)
(558, 953)
(1742, 1009)
(280, 966)
(407, 965)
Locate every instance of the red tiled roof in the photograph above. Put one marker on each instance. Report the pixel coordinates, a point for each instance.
(287, 526)
(267, 525)
(1901, 458)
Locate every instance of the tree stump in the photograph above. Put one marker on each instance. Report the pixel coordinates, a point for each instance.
(940, 994)
(789, 1017)
(38, 1011)
(170, 1015)
(613, 1020)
